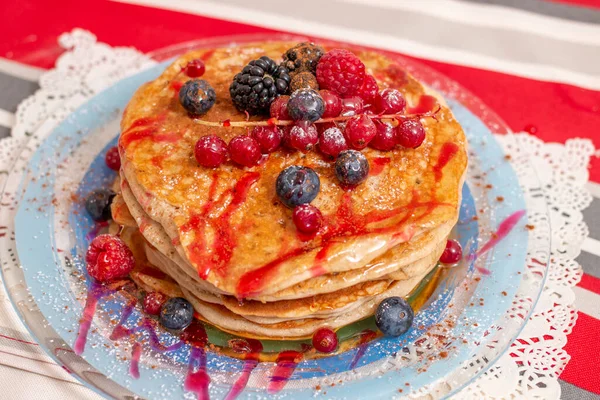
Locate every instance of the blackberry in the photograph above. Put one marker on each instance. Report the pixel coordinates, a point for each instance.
(302, 57)
(258, 85)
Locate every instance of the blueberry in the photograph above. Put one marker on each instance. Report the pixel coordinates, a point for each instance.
(97, 204)
(394, 316)
(351, 167)
(197, 96)
(306, 105)
(297, 185)
(177, 313)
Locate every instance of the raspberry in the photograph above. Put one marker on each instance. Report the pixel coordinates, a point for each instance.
(268, 138)
(332, 142)
(369, 89)
(359, 131)
(410, 134)
(245, 150)
(112, 159)
(302, 136)
(385, 138)
(108, 258)
(153, 302)
(307, 218)
(210, 151)
(340, 71)
(278, 108)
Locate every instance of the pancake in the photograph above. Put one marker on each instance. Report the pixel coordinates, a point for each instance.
(226, 226)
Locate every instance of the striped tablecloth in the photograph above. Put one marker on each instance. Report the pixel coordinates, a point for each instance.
(535, 62)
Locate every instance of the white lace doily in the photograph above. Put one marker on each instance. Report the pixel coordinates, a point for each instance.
(536, 359)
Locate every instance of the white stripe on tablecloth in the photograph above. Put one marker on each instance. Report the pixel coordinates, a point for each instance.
(7, 119)
(486, 15)
(271, 19)
(592, 246)
(19, 70)
(587, 302)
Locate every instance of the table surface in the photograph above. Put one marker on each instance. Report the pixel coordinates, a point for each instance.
(535, 62)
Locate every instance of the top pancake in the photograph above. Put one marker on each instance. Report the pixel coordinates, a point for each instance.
(228, 223)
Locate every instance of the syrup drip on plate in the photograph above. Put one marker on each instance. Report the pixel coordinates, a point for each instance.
(363, 343)
(285, 366)
(251, 349)
(197, 379)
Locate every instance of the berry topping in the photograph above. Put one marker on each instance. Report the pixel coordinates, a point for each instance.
(97, 204)
(197, 96)
(302, 57)
(352, 106)
(278, 108)
(303, 80)
(385, 138)
(258, 85)
(369, 89)
(177, 313)
(195, 334)
(333, 104)
(325, 340)
(268, 137)
(452, 253)
(394, 316)
(210, 151)
(410, 134)
(245, 150)
(112, 158)
(341, 71)
(297, 185)
(302, 136)
(390, 101)
(307, 218)
(195, 68)
(359, 131)
(153, 302)
(108, 258)
(332, 142)
(306, 104)
(351, 167)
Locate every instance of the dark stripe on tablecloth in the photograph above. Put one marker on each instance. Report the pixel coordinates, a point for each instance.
(4, 132)
(590, 264)
(558, 10)
(591, 216)
(14, 90)
(509, 44)
(572, 392)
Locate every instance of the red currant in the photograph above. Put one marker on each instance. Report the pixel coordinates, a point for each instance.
(303, 136)
(390, 101)
(359, 131)
(153, 302)
(268, 137)
(108, 258)
(333, 104)
(410, 134)
(245, 150)
(325, 340)
(195, 68)
(352, 106)
(332, 142)
(210, 151)
(385, 138)
(279, 108)
(369, 89)
(452, 253)
(112, 158)
(307, 218)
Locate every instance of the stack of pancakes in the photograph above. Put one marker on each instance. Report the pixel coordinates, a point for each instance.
(221, 238)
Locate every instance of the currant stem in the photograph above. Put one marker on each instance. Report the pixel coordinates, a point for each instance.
(276, 122)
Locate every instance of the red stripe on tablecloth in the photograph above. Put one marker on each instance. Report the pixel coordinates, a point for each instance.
(584, 3)
(590, 283)
(584, 347)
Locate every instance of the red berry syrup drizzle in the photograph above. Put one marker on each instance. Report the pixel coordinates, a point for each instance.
(146, 128)
(426, 104)
(216, 257)
(251, 349)
(363, 342)
(378, 164)
(197, 379)
(286, 364)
